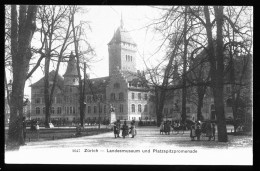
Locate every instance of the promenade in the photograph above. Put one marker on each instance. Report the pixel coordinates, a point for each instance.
(148, 147)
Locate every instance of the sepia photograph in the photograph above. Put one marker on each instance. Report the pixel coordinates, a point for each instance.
(128, 85)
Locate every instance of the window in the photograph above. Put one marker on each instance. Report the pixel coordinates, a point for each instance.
(89, 109)
(112, 96)
(52, 110)
(70, 99)
(38, 100)
(133, 95)
(121, 108)
(145, 108)
(70, 110)
(121, 96)
(38, 110)
(74, 111)
(139, 96)
(133, 108)
(58, 110)
(105, 109)
(139, 108)
(74, 80)
(95, 109)
(131, 58)
(212, 107)
(116, 85)
(126, 57)
(100, 109)
(43, 110)
(71, 87)
(145, 96)
(41, 91)
(229, 102)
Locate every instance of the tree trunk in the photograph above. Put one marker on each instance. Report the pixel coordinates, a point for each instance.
(81, 95)
(46, 92)
(218, 93)
(200, 103)
(20, 51)
(184, 90)
(216, 69)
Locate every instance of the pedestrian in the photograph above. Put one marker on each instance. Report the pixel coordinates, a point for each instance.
(162, 128)
(167, 128)
(198, 130)
(132, 130)
(192, 132)
(118, 124)
(209, 130)
(178, 126)
(115, 129)
(24, 131)
(37, 130)
(124, 130)
(213, 131)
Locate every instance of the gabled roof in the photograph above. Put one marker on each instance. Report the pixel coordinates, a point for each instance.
(59, 81)
(122, 35)
(96, 84)
(72, 67)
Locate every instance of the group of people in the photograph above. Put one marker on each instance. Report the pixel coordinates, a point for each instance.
(125, 129)
(166, 126)
(207, 128)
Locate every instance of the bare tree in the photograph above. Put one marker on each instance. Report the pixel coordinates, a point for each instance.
(22, 31)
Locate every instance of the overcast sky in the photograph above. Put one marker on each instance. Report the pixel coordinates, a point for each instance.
(104, 20)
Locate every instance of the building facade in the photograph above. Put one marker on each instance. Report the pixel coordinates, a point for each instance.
(124, 88)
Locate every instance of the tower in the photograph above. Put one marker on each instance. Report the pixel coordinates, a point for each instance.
(122, 51)
(71, 75)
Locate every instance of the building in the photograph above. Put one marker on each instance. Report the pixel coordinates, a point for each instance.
(125, 89)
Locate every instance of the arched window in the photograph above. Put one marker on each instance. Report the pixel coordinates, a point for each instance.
(139, 108)
(212, 107)
(121, 96)
(116, 85)
(133, 108)
(112, 96)
(229, 102)
(38, 110)
(52, 110)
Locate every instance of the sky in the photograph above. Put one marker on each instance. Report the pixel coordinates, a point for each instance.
(104, 20)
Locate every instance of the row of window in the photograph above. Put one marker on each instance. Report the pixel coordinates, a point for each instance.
(120, 96)
(139, 108)
(93, 98)
(68, 110)
(96, 109)
(139, 95)
(40, 100)
(128, 58)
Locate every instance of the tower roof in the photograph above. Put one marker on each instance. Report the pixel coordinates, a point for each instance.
(122, 35)
(72, 67)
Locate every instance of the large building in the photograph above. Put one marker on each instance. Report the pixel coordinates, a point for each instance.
(124, 89)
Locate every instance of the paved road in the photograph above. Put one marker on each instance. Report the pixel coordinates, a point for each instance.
(97, 150)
